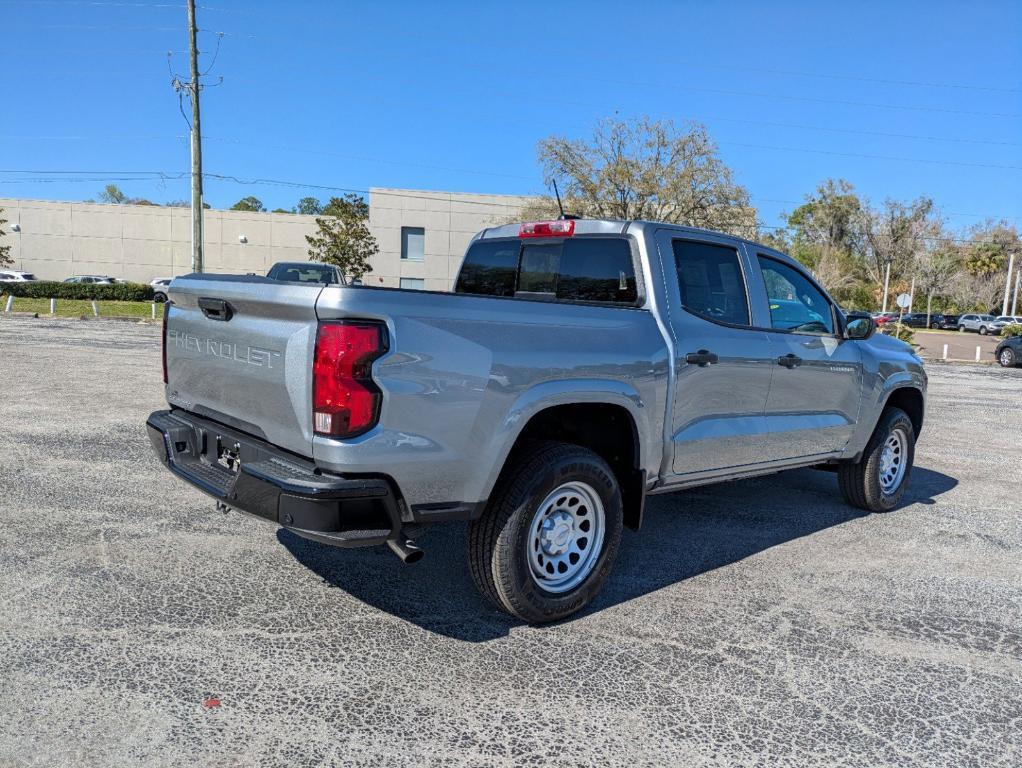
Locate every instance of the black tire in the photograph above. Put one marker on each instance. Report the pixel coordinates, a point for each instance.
(498, 541)
(961, 329)
(860, 481)
(1007, 357)
(982, 330)
(159, 297)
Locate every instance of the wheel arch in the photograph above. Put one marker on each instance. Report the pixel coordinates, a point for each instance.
(609, 418)
(911, 401)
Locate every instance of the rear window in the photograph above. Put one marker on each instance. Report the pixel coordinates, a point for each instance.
(490, 268)
(585, 269)
(301, 273)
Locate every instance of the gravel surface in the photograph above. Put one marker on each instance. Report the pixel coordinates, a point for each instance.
(760, 623)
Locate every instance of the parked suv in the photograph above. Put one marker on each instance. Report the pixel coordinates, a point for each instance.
(922, 320)
(979, 323)
(578, 367)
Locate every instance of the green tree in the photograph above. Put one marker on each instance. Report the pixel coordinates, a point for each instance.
(310, 206)
(343, 237)
(826, 234)
(112, 194)
(645, 169)
(5, 250)
(250, 203)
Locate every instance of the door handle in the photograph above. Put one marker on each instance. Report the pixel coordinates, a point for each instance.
(216, 309)
(789, 361)
(702, 358)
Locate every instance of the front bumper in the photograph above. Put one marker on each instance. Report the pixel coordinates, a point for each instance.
(248, 474)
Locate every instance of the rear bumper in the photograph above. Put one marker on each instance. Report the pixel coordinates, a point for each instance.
(248, 474)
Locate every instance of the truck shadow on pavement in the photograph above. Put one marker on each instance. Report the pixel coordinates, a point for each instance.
(683, 535)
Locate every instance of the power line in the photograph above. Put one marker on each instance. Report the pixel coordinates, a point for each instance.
(874, 157)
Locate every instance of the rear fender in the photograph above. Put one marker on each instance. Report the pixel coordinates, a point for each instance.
(569, 392)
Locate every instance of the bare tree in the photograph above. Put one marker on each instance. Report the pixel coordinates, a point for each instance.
(895, 234)
(645, 169)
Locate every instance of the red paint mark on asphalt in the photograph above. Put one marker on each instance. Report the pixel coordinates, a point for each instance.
(211, 702)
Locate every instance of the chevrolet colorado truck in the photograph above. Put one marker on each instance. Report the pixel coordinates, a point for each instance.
(578, 367)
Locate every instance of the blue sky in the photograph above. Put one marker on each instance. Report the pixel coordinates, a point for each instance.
(900, 98)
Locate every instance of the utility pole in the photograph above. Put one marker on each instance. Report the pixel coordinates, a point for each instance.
(887, 282)
(1018, 279)
(911, 295)
(196, 137)
(1007, 285)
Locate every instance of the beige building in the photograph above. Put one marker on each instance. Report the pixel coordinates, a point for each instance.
(422, 236)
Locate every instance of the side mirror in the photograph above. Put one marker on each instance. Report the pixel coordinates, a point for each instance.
(859, 328)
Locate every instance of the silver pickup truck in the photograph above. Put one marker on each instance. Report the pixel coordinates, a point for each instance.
(577, 367)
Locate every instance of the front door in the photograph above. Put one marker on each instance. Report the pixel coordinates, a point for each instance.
(813, 403)
(722, 365)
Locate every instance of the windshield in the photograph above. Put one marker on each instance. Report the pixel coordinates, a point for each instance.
(28, 276)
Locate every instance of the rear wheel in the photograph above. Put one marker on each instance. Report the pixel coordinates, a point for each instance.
(961, 329)
(1007, 357)
(982, 330)
(877, 482)
(548, 539)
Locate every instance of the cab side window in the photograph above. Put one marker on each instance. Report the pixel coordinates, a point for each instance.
(711, 282)
(796, 304)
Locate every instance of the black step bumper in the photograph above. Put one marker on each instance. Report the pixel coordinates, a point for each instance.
(248, 474)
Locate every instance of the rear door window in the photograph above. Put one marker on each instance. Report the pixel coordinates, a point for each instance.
(711, 282)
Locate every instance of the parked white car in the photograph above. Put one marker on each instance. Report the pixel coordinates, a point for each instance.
(160, 286)
(12, 276)
(94, 279)
(998, 325)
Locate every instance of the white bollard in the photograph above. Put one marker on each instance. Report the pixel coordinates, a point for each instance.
(154, 310)
(10, 302)
(979, 351)
(95, 310)
(945, 352)
(53, 306)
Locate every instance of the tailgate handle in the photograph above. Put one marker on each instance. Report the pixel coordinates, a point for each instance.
(216, 309)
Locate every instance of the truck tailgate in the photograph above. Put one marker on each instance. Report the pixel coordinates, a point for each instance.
(240, 350)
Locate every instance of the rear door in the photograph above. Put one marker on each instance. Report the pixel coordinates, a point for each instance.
(240, 351)
(722, 365)
(813, 403)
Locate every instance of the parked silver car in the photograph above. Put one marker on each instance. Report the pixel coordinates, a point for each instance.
(981, 324)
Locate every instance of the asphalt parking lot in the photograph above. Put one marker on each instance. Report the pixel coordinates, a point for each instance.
(760, 623)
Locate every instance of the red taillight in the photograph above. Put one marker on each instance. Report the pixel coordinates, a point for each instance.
(559, 228)
(345, 401)
(166, 311)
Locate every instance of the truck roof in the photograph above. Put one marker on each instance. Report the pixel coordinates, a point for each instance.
(620, 227)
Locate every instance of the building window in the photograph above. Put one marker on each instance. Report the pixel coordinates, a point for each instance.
(413, 283)
(413, 243)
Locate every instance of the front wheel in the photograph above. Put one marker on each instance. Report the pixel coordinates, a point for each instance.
(982, 330)
(877, 482)
(1007, 357)
(549, 536)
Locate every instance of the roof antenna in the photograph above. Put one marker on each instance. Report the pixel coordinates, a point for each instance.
(564, 216)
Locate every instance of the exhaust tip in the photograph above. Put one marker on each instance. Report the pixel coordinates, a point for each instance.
(406, 549)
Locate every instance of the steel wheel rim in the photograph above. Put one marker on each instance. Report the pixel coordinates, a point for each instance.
(1007, 357)
(566, 537)
(893, 461)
